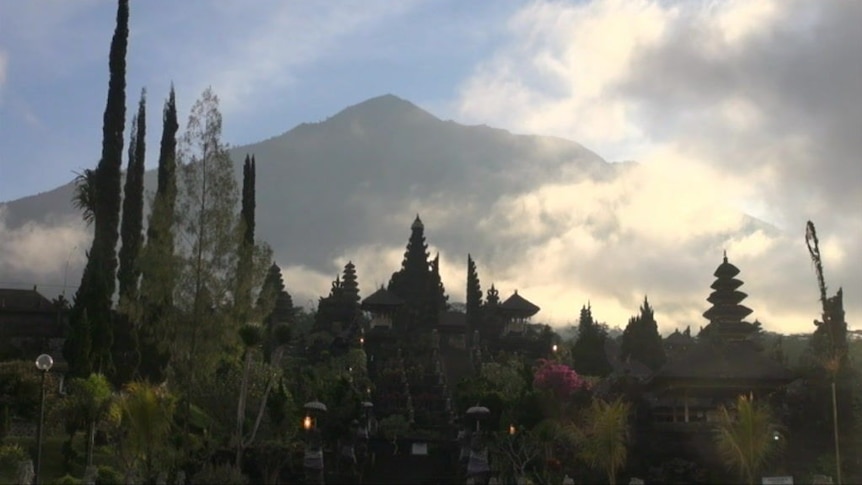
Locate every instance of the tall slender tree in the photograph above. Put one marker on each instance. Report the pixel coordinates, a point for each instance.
(641, 340)
(126, 352)
(131, 231)
(246, 244)
(98, 283)
(158, 268)
(474, 297)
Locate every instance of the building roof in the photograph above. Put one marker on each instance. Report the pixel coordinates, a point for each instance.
(519, 305)
(453, 319)
(717, 362)
(380, 299)
(12, 299)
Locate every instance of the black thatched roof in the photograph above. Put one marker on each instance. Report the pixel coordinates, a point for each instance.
(717, 362)
(23, 300)
(381, 299)
(517, 304)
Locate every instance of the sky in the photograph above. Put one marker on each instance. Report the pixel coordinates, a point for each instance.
(734, 105)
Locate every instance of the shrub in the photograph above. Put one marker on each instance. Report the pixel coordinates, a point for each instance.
(107, 475)
(69, 480)
(10, 455)
(224, 473)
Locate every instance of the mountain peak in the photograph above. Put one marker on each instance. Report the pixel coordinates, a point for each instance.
(387, 107)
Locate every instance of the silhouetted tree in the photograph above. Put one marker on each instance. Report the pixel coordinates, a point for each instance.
(97, 286)
(158, 268)
(588, 353)
(641, 340)
(474, 297)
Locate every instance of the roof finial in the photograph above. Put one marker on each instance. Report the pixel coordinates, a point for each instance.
(725, 255)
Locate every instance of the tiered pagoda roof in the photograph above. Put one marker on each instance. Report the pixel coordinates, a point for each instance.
(727, 312)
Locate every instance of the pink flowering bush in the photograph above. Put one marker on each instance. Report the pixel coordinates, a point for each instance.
(559, 380)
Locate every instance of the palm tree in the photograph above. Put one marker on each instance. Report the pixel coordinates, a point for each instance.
(146, 417)
(603, 436)
(747, 437)
(84, 196)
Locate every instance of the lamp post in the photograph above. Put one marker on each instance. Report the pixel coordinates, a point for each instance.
(43, 363)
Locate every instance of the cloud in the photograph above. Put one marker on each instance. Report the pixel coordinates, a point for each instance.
(729, 105)
(39, 253)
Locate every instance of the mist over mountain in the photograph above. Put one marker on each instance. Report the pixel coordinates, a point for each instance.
(542, 214)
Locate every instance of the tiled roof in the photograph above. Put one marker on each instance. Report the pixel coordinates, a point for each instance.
(23, 300)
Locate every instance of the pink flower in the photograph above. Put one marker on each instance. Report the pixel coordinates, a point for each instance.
(558, 379)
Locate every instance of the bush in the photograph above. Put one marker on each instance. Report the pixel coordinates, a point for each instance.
(69, 480)
(224, 473)
(10, 455)
(107, 475)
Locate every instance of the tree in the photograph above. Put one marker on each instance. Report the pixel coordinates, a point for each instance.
(602, 436)
(92, 397)
(641, 340)
(206, 329)
(474, 297)
(146, 419)
(158, 264)
(133, 207)
(97, 286)
(588, 353)
(746, 437)
(126, 352)
(246, 245)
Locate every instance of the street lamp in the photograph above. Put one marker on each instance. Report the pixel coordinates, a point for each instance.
(43, 363)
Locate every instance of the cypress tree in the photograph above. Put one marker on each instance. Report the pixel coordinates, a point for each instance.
(98, 283)
(641, 340)
(133, 207)
(474, 297)
(246, 244)
(158, 276)
(126, 352)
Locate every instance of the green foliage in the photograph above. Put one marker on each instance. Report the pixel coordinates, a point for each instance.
(68, 480)
(157, 260)
(391, 427)
(602, 436)
(745, 437)
(107, 475)
(19, 388)
(146, 420)
(223, 473)
(10, 455)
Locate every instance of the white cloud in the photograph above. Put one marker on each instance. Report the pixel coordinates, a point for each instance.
(734, 104)
(43, 252)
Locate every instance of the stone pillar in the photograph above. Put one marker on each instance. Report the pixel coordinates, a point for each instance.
(26, 474)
